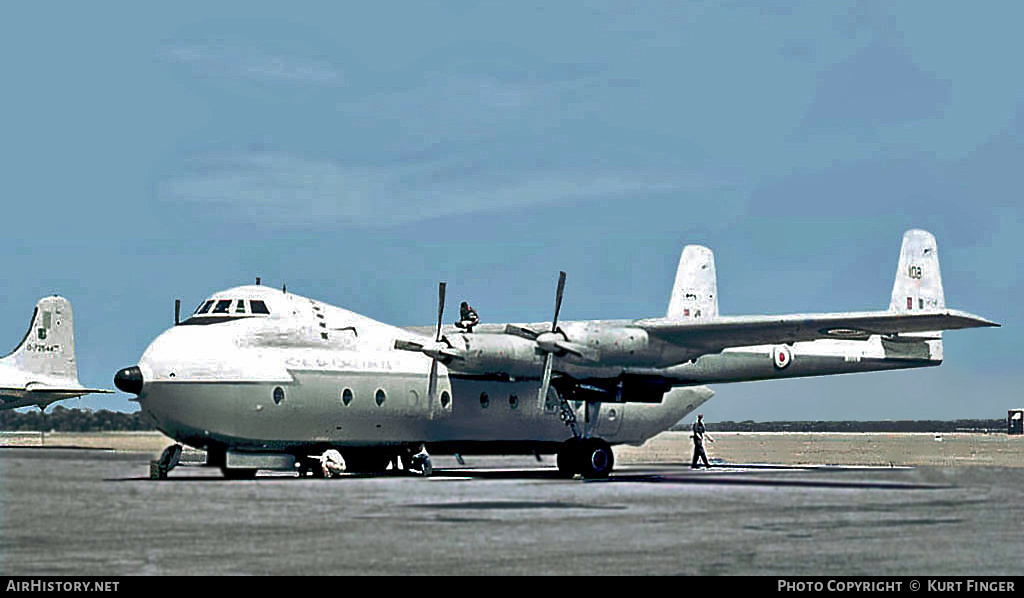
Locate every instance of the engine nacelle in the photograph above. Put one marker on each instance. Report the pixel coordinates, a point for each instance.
(625, 346)
(501, 354)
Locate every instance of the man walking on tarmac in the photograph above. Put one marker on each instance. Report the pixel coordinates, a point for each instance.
(699, 434)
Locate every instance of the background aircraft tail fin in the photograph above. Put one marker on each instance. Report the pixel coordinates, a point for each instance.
(695, 292)
(49, 345)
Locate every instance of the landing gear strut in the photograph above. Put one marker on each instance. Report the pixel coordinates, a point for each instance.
(168, 460)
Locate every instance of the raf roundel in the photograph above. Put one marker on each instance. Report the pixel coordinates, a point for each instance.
(782, 356)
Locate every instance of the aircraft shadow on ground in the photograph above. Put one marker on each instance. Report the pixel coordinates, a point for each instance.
(753, 476)
(730, 480)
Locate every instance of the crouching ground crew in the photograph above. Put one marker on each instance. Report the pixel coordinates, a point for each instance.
(468, 317)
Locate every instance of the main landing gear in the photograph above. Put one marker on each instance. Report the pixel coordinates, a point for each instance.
(590, 457)
(412, 460)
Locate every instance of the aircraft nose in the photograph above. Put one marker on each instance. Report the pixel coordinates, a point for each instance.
(129, 380)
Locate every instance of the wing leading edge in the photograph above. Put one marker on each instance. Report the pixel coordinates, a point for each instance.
(712, 336)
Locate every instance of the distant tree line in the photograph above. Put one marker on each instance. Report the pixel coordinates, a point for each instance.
(903, 426)
(62, 419)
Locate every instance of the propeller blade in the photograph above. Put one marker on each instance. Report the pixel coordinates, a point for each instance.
(558, 299)
(408, 345)
(440, 308)
(545, 381)
(432, 385)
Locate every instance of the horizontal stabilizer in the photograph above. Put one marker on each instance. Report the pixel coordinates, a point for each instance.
(43, 388)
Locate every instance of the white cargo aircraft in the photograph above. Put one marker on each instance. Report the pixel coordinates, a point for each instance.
(264, 379)
(42, 369)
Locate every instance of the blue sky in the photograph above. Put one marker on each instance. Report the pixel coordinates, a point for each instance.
(361, 152)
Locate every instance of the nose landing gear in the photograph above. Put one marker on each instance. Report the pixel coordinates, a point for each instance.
(168, 460)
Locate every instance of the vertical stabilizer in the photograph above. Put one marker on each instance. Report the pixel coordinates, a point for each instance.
(695, 292)
(49, 345)
(918, 284)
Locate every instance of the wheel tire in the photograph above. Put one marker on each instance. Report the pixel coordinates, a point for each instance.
(367, 462)
(569, 458)
(238, 474)
(597, 459)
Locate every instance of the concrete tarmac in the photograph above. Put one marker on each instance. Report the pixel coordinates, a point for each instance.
(94, 512)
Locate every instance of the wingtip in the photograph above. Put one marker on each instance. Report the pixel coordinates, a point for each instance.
(977, 321)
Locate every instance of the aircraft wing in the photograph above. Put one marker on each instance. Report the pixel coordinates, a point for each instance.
(711, 336)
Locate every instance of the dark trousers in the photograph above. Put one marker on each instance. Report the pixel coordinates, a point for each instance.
(698, 453)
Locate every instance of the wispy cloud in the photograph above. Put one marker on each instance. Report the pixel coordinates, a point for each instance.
(280, 188)
(214, 58)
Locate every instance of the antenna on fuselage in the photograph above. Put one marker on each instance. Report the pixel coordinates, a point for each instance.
(177, 311)
(257, 281)
(284, 288)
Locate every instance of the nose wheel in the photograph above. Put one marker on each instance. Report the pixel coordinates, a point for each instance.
(590, 457)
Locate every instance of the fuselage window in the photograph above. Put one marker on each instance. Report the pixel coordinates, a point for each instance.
(513, 401)
(205, 307)
(222, 306)
(278, 395)
(445, 398)
(379, 397)
(240, 307)
(258, 307)
(346, 396)
(485, 400)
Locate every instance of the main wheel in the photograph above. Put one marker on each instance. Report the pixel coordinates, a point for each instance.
(371, 462)
(238, 474)
(569, 458)
(596, 458)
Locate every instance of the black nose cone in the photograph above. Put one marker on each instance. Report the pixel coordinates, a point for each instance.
(129, 380)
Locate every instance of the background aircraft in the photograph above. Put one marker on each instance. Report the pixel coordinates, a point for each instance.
(42, 369)
(261, 378)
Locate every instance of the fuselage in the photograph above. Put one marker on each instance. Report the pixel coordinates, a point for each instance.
(263, 370)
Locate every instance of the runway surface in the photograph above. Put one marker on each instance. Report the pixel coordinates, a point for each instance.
(91, 512)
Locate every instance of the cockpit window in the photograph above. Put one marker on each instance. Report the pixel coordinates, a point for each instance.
(216, 311)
